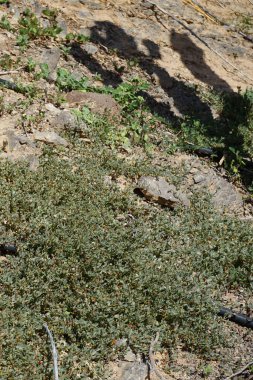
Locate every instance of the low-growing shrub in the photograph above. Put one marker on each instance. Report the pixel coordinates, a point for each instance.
(97, 265)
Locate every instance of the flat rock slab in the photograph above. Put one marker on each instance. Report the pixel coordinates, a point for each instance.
(98, 103)
(157, 189)
(223, 193)
(64, 120)
(51, 57)
(200, 178)
(50, 138)
(123, 370)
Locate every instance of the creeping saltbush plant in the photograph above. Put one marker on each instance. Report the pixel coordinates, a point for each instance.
(97, 265)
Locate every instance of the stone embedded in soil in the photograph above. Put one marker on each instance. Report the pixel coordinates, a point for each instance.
(199, 178)
(52, 109)
(64, 120)
(50, 138)
(90, 48)
(51, 57)
(98, 103)
(158, 190)
(128, 370)
(8, 141)
(92, 5)
(33, 162)
(129, 355)
(61, 23)
(134, 371)
(223, 194)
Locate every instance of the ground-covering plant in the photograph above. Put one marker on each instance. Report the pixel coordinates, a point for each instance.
(31, 28)
(97, 265)
(76, 38)
(8, 63)
(95, 262)
(5, 23)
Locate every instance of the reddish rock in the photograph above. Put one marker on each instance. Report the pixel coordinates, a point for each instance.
(98, 103)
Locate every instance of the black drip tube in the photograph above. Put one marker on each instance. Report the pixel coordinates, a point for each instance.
(239, 319)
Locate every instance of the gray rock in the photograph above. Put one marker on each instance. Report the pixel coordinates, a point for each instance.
(146, 4)
(134, 371)
(64, 28)
(121, 342)
(92, 5)
(45, 23)
(51, 57)
(64, 120)
(50, 138)
(90, 48)
(23, 140)
(9, 141)
(52, 109)
(226, 197)
(33, 162)
(129, 370)
(37, 8)
(129, 355)
(160, 191)
(13, 140)
(108, 180)
(199, 178)
(84, 14)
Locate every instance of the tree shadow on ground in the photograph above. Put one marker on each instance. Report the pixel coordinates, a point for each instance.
(234, 127)
(193, 59)
(176, 94)
(182, 97)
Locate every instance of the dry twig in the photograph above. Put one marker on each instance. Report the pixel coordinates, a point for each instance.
(239, 372)
(201, 10)
(240, 73)
(213, 18)
(220, 4)
(9, 72)
(151, 357)
(54, 352)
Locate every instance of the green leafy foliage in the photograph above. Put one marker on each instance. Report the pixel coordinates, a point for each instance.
(134, 123)
(76, 37)
(230, 135)
(66, 81)
(5, 23)
(7, 62)
(97, 266)
(31, 65)
(31, 29)
(44, 71)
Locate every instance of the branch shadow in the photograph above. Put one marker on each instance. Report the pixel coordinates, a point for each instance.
(183, 97)
(178, 96)
(193, 59)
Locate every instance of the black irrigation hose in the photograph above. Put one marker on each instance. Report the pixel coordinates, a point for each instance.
(8, 249)
(239, 319)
